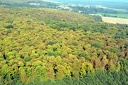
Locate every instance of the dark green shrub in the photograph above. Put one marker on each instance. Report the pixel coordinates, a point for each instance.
(84, 54)
(96, 45)
(97, 18)
(126, 45)
(9, 26)
(50, 43)
(9, 21)
(120, 34)
(113, 50)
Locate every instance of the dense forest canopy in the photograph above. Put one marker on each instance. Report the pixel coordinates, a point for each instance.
(43, 46)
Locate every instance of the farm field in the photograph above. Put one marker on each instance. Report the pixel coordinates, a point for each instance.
(115, 20)
(118, 15)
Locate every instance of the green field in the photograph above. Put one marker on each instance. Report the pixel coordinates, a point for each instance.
(115, 15)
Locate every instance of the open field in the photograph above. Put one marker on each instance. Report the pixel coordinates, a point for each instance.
(125, 16)
(119, 15)
(115, 20)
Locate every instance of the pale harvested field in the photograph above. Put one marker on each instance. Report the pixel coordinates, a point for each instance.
(115, 20)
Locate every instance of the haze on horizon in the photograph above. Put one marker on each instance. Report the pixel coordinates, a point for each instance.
(119, 4)
(88, 0)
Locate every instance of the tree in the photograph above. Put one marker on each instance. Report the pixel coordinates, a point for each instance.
(22, 74)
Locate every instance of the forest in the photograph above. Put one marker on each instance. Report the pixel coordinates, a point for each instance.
(41, 46)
